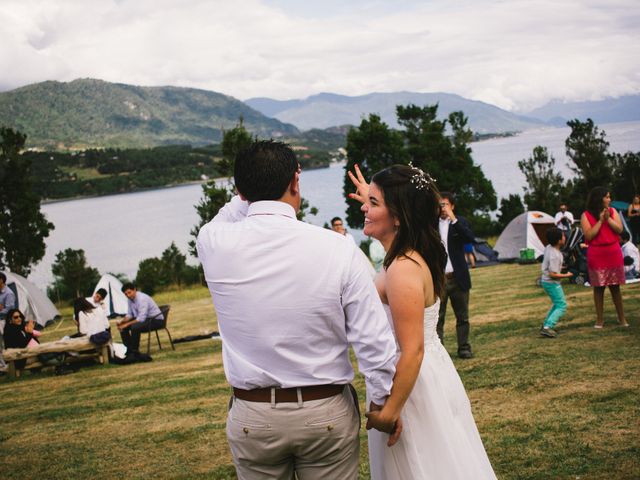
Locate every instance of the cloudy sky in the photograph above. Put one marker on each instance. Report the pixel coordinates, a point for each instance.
(516, 54)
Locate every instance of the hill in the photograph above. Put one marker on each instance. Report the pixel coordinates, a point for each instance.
(327, 109)
(94, 113)
(609, 110)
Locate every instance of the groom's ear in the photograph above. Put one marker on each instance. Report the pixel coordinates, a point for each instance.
(294, 185)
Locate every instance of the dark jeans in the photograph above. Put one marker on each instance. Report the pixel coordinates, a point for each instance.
(460, 304)
(131, 335)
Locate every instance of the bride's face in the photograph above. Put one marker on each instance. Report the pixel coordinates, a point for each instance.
(378, 221)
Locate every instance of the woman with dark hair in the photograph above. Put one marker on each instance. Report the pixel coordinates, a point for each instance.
(18, 333)
(90, 319)
(633, 213)
(602, 226)
(428, 402)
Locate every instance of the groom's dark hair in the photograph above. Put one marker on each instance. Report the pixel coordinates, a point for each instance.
(264, 170)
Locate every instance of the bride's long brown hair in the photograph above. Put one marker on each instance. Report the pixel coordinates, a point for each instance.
(413, 198)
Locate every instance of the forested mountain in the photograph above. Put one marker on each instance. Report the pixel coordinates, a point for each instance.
(327, 109)
(93, 113)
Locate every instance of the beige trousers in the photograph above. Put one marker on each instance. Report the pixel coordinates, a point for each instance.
(313, 440)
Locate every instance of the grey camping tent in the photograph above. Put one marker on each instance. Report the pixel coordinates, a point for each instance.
(527, 230)
(31, 300)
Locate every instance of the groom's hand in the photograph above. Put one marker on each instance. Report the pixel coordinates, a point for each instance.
(377, 419)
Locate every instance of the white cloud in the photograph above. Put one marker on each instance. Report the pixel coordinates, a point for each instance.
(516, 54)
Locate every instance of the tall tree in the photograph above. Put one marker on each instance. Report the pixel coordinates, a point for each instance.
(174, 263)
(73, 277)
(544, 185)
(588, 150)
(233, 141)
(372, 146)
(23, 227)
(447, 157)
(626, 175)
(510, 208)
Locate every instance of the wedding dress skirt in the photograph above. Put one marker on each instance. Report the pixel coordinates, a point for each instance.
(440, 440)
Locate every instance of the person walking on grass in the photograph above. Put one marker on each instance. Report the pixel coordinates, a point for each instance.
(551, 277)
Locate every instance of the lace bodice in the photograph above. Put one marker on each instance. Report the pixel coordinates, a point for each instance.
(430, 322)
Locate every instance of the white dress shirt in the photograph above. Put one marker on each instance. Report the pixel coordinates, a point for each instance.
(444, 235)
(93, 321)
(290, 298)
(558, 219)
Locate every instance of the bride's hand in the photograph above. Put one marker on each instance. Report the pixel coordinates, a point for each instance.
(377, 419)
(362, 187)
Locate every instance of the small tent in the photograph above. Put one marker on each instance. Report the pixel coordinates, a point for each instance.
(485, 255)
(31, 300)
(117, 302)
(527, 230)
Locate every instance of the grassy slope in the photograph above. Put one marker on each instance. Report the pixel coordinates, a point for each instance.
(546, 409)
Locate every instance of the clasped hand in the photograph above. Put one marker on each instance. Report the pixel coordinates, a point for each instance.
(380, 421)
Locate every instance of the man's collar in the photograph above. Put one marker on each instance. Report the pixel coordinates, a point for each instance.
(271, 207)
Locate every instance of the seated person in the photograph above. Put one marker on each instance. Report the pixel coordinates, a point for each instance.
(19, 334)
(97, 300)
(143, 313)
(91, 319)
(631, 268)
(7, 302)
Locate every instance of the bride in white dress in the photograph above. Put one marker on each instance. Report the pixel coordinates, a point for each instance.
(433, 433)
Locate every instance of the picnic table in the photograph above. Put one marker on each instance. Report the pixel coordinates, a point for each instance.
(80, 348)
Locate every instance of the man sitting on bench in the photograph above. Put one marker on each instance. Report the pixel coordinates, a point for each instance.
(142, 312)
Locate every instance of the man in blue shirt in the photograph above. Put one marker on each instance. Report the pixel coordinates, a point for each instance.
(7, 302)
(142, 313)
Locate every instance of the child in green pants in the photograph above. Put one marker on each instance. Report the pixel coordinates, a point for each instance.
(551, 276)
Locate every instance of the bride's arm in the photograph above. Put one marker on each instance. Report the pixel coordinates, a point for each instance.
(405, 293)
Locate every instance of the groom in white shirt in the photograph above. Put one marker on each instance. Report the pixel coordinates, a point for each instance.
(290, 298)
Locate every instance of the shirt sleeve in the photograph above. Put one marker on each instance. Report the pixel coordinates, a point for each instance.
(368, 330)
(9, 301)
(83, 323)
(143, 310)
(233, 211)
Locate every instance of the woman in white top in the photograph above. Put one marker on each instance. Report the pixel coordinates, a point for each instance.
(433, 433)
(91, 320)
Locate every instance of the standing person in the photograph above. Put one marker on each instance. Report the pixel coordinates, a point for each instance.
(564, 218)
(7, 302)
(142, 310)
(602, 226)
(440, 439)
(551, 276)
(290, 298)
(633, 213)
(455, 232)
(337, 225)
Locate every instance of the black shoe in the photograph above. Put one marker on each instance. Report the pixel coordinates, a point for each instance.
(548, 332)
(465, 354)
(64, 370)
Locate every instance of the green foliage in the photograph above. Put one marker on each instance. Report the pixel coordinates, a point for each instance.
(626, 175)
(73, 277)
(588, 150)
(372, 146)
(23, 227)
(510, 208)
(214, 197)
(422, 141)
(156, 274)
(544, 185)
(233, 141)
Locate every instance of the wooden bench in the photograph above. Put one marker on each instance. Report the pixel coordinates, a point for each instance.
(81, 347)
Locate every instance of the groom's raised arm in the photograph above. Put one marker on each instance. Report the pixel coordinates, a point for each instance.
(368, 330)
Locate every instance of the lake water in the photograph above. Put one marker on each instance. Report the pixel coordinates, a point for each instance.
(118, 231)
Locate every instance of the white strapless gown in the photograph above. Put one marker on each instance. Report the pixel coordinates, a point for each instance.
(440, 440)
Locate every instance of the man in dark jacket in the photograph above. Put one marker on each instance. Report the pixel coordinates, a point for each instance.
(455, 232)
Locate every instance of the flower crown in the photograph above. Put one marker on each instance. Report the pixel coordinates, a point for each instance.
(420, 179)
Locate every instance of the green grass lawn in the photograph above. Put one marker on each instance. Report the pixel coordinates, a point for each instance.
(565, 408)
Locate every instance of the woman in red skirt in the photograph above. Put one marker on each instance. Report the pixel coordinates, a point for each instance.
(602, 226)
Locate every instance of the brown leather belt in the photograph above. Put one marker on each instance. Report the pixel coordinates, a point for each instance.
(314, 392)
(448, 275)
